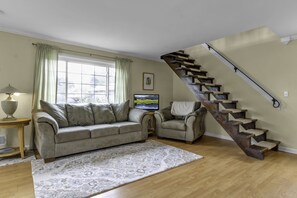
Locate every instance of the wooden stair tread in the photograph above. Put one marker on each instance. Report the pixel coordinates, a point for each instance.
(245, 120)
(191, 69)
(198, 76)
(259, 148)
(212, 85)
(256, 132)
(233, 110)
(267, 144)
(178, 56)
(225, 101)
(206, 84)
(215, 92)
(183, 62)
(180, 53)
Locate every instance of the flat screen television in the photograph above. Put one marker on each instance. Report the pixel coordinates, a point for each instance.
(148, 102)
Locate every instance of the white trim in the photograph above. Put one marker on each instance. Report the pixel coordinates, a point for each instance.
(224, 137)
(287, 150)
(287, 39)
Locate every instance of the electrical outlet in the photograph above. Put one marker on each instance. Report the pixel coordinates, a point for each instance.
(286, 93)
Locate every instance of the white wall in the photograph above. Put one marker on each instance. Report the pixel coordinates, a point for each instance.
(17, 57)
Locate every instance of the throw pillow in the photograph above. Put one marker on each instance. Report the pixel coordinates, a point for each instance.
(121, 111)
(79, 115)
(103, 113)
(57, 111)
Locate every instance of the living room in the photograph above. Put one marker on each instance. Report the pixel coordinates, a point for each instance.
(257, 49)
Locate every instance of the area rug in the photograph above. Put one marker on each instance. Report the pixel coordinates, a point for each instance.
(94, 172)
(5, 161)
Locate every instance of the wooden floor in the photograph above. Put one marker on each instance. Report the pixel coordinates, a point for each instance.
(224, 171)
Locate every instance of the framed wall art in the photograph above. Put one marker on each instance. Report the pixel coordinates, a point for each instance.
(148, 81)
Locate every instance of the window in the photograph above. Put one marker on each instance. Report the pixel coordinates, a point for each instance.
(84, 80)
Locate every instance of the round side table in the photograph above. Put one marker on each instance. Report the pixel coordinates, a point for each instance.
(19, 123)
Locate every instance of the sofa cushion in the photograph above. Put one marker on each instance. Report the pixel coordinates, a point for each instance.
(174, 124)
(127, 127)
(121, 111)
(103, 113)
(79, 115)
(57, 111)
(70, 134)
(102, 130)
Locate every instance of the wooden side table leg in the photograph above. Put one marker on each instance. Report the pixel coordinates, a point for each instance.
(21, 141)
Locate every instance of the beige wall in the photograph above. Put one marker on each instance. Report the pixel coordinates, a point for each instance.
(274, 65)
(17, 68)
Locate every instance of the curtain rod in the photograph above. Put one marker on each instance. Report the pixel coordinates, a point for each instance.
(90, 54)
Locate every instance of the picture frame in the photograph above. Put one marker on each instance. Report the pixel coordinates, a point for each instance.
(148, 81)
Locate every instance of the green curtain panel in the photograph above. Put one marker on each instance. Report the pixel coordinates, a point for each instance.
(45, 78)
(122, 79)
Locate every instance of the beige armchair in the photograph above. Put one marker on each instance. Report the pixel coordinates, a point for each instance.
(187, 127)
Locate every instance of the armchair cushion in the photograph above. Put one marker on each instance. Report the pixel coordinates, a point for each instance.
(174, 124)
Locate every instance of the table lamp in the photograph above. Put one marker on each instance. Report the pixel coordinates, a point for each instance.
(9, 105)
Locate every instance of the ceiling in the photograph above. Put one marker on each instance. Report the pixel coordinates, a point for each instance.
(142, 28)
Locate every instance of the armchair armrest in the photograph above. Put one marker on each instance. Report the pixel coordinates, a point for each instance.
(199, 112)
(195, 124)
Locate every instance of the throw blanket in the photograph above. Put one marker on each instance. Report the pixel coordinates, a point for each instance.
(182, 108)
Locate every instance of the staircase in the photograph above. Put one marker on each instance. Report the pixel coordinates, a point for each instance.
(249, 138)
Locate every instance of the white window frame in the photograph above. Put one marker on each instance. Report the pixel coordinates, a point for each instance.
(84, 60)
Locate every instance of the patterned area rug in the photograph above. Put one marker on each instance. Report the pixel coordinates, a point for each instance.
(16, 159)
(94, 172)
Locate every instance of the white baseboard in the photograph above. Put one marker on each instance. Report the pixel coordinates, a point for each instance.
(287, 150)
(224, 137)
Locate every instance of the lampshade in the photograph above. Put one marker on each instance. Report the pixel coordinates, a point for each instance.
(9, 90)
(9, 106)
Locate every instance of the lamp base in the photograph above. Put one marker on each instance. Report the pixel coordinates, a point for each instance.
(9, 107)
(9, 118)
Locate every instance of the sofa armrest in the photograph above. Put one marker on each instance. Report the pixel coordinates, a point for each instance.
(136, 115)
(45, 129)
(43, 117)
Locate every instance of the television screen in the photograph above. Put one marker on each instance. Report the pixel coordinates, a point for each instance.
(146, 101)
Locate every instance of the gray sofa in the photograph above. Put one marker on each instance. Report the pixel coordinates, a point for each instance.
(67, 129)
(187, 126)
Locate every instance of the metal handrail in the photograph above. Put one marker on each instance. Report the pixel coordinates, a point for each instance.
(275, 102)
